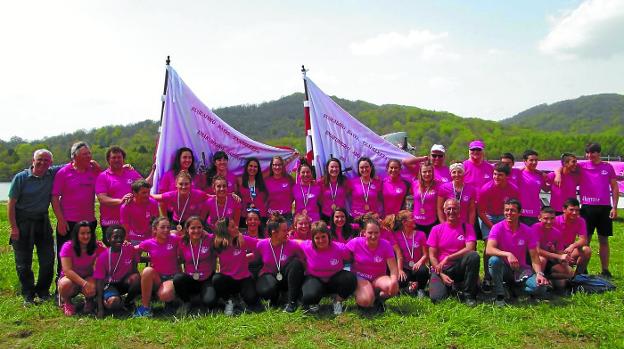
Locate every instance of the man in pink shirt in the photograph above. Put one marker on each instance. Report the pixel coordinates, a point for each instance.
(437, 156)
(568, 183)
(477, 171)
(514, 174)
(572, 226)
(531, 182)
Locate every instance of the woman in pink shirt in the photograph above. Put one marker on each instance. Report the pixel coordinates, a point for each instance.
(222, 205)
(158, 277)
(365, 190)
(425, 191)
(333, 189)
(279, 185)
(394, 188)
(252, 190)
(461, 191)
(307, 193)
(77, 260)
(342, 228)
(220, 168)
(256, 231)
(372, 256)
(301, 227)
(325, 274)
(183, 202)
(414, 272)
(184, 161)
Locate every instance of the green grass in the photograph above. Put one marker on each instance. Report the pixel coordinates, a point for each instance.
(579, 321)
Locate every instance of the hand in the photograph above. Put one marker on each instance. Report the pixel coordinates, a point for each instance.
(96, 166)
(513, 262)
(570, 260)
(15, 233)
(446, 280)
(402, 275)
(61, 226)
(613, 213)
(541, 280)
(557, 179)
(443, 263)
(88, 289)
(128, 166)
(236, 198)
(127, 198)
(569, 249)
(417, 266)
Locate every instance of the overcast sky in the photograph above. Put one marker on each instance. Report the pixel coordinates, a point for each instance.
(86, 64)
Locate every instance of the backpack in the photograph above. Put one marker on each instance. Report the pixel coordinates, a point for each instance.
(590, 284)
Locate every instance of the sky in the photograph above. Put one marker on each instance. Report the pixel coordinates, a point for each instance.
(82, 64)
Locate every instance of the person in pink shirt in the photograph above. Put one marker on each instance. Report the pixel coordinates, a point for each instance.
(425, 192)
(569, 181)
(282, 267)
(184, 161)
(414, 271)
(78, 256)
(113, 187)
(252, 191)
(115, 273)
(514, 173)
(333, 189)
(372, 256)
(137, 214)
(301, 227)
(394, 188)
(574, 235)
(492, 197)
(365, 190)
(307, 193)
(453, 257)
(458, 189)
(222, 205)
(219, 167)
(556, 264)
(477, 170)
(324, 273)
(436, 156)
(342, 228)
(255, 230)
(279, 185)
(158, 277)
(532, 182)
(507, 247)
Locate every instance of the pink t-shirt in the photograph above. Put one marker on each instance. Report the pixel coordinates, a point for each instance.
(77, 192)
(114, 186)
(477, 175)
(464, 196)
(358, 196)
(570, 230)
(313, 194)
(231, 184)
(280, 195)
(411, 246)
(492, 197)
(442, 174)
(233, 260)
(394, 192)
(567, 189)
(549, 240)
(324, 264)
(193, 208)
(339, 194)
(595, 183)
(163, 257)
(369, 264)
(259, 201)
(387, 235)
(137, 217)
(115, 268)
(531, 184)
(448, 239)
(427, 201)
(202, 255)
(214, 212)
(515, 242)
(83, 264)
(514, 176)
(263, 252)
(168, 183)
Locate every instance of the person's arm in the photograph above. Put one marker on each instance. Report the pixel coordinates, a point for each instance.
(68, 271)
(412, 163)
(99, 286)
(423, 260)
(150, 177)
(61, 224)
(582, 241)
(15, 233)
(470, 246)
(537, 267)
(482, 214)
(493, 250)
(472, 212)
(106, 200)
(394, 270)
(433, 258)
(399, 261)
(615, 196)
(440, 205)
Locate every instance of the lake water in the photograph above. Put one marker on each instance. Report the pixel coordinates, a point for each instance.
(4, 191)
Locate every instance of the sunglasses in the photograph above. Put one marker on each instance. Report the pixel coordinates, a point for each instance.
(436, 156)
(476, 149)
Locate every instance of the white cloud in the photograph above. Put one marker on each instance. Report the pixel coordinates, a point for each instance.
(593, 29)
(425, 41)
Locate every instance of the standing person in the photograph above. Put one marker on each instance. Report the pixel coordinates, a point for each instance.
(333, 189)
(29, 199)
(73, 194)
(477, 170)
(425, 192)
(282, 267)
(341, 226)
(324, 274)
(365, 190)
(279, 185)
(532, 182)
(372, 256)
(574, 235)
(507, 247)
(453, 257)
(113, 187)
(569, 181)
(394, 188)
(252, 190)
(219, 167)
(184, 161)
(137, 214)
(414, 272)
(307, 193)
(183, 202)
(460, 190)
(221, 205)
(514, 173)
(436, 156)
(556, 264)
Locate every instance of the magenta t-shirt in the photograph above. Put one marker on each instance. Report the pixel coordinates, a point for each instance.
(77, 192)
(514, 176)
(114, 186)
(531, 183)
(358, 202)
(83, 264)
(138, 217)
(517, 243)
(369, 264)
(570, 230)
(214, 212)
(493, 197)
(263, 252)
(340, 198)
(233, 260)
(595, 183)
(168, 183)
(477, 175)
(567, 189)
(115, 268)
(324, 264)
(413, 243)
(163, 257)
(313, 194)
(426, 200)
(259, 201)
(203, 257)
(394, 192)
(193, 208)
(442, 174)
(231, 184)
(549, 240)
(280, 195)
(464, 196)
(448, 239)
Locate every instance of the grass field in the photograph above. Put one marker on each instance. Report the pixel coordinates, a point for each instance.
(580, 321)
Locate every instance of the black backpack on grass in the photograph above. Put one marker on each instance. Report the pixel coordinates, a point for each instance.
(590, 284)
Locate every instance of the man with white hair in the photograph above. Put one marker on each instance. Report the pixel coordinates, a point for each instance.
(436, 156)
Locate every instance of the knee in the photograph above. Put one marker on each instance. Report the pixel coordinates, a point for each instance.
(586, 251)
(133, 279)
(295, 266)
(209, 298)
(166, 294)
(148, 272)
(65, 285)
(473, 259)
(495, 262)
(365, 300)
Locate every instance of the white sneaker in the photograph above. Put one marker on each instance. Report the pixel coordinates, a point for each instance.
(337, 308)
(229, 308)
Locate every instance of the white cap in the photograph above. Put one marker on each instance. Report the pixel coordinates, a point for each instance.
(438, 147)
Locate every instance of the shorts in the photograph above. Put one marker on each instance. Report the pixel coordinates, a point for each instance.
(597, 218)
(164, 278)
(115, 289)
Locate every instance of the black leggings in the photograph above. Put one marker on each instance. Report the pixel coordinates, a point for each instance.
(227, 287)
(186, 287)
(421, 276)
(342, 283)
(269, 288)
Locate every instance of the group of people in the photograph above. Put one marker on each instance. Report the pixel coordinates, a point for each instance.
(212, 238)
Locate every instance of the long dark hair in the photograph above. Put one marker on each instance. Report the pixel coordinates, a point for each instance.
(370, 162)
(341, 177)
(176, 164)
(222, 238)
(347, 229)
(258, 178)
(91, 245)
(213, 168)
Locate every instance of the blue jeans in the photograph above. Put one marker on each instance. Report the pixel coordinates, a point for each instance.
(485, 231)
(501, 271)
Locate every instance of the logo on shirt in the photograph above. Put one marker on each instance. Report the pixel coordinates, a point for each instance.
(237, 252)
(399, 190)
(333, 261)
(604, 172)
(521, 242)
(310, 196)
(466, 198)
(170, 246)
(284, 185)
(378, 259)
(284, 257)
(373, 186)
(130, 181)
(204, 249)
(460, 237)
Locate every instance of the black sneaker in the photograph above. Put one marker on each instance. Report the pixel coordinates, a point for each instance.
(290, 307)
(606, 274)
(379, 306)
(29, 301)
(486, 286)
(470, 302)
(44, 297)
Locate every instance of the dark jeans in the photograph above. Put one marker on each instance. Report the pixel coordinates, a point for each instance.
(186, 287)
(502, 272)
(421, 276)
(269, 288)
(60, 240)
(35, 230)
(342, 283)
(226, 287)
(466, 270)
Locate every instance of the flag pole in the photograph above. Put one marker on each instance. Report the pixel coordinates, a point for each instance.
(162, 107)
(308, 125)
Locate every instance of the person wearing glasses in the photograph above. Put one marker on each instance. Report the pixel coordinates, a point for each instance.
(437, 157)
